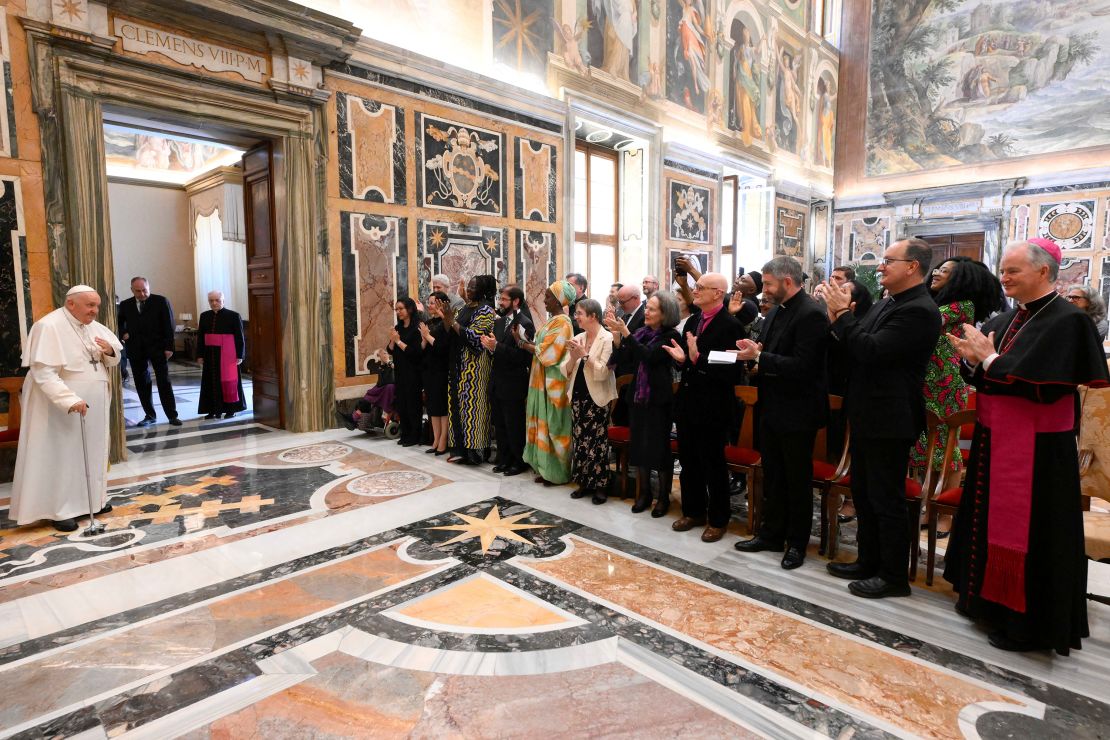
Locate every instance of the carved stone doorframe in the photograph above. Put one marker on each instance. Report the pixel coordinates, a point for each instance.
(73, 80)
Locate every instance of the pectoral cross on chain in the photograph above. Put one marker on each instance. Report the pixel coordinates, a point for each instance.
(94, 362)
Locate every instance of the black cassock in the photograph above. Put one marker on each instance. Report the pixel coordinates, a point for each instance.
(1039, 600)
(211, 401)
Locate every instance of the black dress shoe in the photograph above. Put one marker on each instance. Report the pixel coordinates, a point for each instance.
(662, 504)
(793, 558)
(345, 420)
(876, 588)
(581, 493)
(439, 453)
(229, 414)
(1002, 641)
(599, 498)
(758, 544)
(175, 422)
(514, 470)
(850, 571)
(145, 422)
(430, 451)
(107, 508)
(409, 444)
(65, 525)
(213, 416)
(499, 468)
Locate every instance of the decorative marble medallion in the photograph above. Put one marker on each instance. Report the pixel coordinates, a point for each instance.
(689, 212)
(1070, 225)
(318, 453)
(390, 483)
(490, 527)
(461, 166)
(790, 232)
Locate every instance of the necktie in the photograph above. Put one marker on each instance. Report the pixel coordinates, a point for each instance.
(139, 306)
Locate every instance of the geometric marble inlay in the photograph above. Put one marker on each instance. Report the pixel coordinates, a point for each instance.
(536, 268)
(375, 274)
(689, 212)
(15, 282)
(482, 603)
(461, 166)
(460, 252)
(536, 179)
(318, 453)
(371, 137)
(7, 107)
(389, 483)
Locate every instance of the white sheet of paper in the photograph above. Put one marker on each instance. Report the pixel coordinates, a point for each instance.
(721, 358)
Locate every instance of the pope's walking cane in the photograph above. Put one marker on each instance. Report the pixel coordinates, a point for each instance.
(94, 527)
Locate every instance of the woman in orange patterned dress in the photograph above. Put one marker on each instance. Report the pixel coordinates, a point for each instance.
(548, 445)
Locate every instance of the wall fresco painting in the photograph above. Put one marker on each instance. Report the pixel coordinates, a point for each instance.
(460, 252)
(522, 34)
(611, 42)
(688, 53)
(788, 104)
(688, 212)
(968, 81)
(371, 139)
(868, 239)
(536, 182)
(824, 133)
(134, 153)
(1071, 225)
(795, 11)
(462, 166)
(375, 274)
(746, 80)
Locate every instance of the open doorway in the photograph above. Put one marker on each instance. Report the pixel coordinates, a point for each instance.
(179, 220)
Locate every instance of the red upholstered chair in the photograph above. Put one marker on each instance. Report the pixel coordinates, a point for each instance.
(826, 473)
(10, 436)
(967, 431)
(742, 457)
(620, 437)
(941, 500)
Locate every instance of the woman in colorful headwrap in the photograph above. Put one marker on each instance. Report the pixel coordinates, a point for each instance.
(548, 413)
(468, 385)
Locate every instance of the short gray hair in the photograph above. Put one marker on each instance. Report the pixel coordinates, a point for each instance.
(590, 307)
(668, 306)
(1096, 306)
(785, 267)
(441, 278)
(1040, 258)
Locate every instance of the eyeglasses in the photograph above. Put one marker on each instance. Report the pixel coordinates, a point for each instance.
(1074, 298)
(887, 261)
(699, 286)
(940, 270)
(623, 301)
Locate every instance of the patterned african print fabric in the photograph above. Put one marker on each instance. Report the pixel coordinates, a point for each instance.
(945, 389)
(468, 400)
(548, 411)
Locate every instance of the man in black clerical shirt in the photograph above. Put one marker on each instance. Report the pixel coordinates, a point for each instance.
(509, 378)
(888, 351)
(146, 328)
(793, 405)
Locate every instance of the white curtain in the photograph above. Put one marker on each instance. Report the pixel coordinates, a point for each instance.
(221, 264)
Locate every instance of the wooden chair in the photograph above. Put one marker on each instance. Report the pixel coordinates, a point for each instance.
(841, 490)
(742, 457)
(825, 474)
(9, 438)
(938, 499)
(620, 437)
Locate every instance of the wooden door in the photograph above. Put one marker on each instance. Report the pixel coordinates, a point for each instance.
(947, 246)
(264, 338)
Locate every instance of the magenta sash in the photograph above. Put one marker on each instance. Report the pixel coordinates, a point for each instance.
(1016, 423)
(229, 364)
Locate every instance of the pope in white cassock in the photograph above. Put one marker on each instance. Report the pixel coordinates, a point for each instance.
(68, 352)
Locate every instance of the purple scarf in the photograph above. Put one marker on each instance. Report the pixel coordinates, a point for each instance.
(644, 335)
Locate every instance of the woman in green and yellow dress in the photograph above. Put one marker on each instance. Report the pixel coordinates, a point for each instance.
(548, 447)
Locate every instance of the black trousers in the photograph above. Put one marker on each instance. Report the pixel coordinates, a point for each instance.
(140, 370)
(409, 405)
(704, 477)
(879, 493)
(509, 429)
(787, 486)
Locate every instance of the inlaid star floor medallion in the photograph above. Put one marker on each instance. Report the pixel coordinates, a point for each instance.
(490, 528)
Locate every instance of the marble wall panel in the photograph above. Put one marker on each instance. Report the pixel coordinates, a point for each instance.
(375, 274)
(7, 104)
(868, 238)
(689, 211)
(536, 182)
(1104, 284)
(462, 167)
(15, 281)
(460, 252)
(790, 231)
(371, 138)
(1073, 270)
(536, 269)
(1070, 224)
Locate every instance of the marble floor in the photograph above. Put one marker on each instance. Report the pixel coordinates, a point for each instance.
(253, 582)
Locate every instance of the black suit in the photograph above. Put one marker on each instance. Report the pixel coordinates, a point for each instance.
(793, 405)
(703, 413)
(888, 351)
(149, 333)
(626, 365)
(509, 386)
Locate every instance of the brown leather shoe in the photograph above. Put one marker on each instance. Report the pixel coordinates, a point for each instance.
(686, 523)
(712, 534)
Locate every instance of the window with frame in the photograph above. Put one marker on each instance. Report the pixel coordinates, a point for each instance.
(596, 198)
(729, 189)
(826, 19)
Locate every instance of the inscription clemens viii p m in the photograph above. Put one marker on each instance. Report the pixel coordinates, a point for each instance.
(144, 39)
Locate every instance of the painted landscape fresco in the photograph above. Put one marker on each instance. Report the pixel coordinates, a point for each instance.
(974, 81)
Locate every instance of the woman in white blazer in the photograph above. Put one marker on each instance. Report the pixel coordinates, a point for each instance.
(592, 388)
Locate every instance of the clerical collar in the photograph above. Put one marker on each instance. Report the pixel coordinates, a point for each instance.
(908, 292)
(74, 321)
(1040, 302)
(792, 299)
